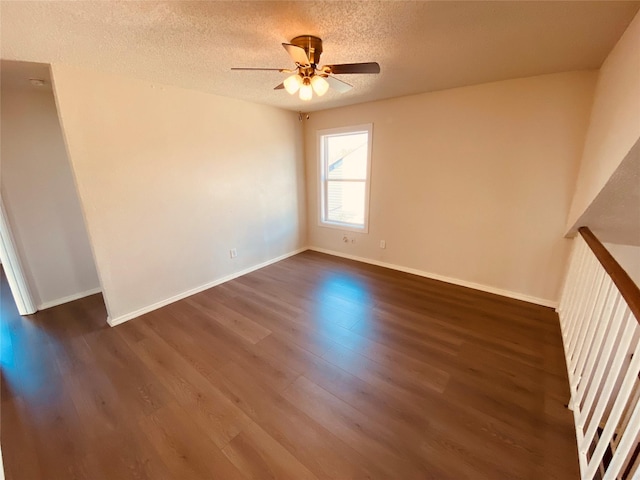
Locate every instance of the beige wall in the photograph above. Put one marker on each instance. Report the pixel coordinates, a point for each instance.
(615, 120)
(41, 199)
(170, 180)
(471, 184)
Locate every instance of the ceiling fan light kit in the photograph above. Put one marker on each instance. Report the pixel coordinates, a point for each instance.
(308, 76)
(306, 92)
(293, 83)
(320, 85)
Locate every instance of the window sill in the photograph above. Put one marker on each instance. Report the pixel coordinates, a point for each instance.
(344, 226)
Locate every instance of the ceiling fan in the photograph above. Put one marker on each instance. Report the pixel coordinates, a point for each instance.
(308, 77)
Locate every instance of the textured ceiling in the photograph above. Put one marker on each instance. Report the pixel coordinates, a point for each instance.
(614, 216)
(421, 46)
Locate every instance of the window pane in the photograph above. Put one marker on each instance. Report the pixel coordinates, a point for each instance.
(346, 156)
(345, 202)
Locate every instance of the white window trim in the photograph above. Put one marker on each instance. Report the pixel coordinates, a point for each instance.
(322, 194)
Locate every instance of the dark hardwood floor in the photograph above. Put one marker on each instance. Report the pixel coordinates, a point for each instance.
(314, 367)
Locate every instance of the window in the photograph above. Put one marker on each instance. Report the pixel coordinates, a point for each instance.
(345, 165)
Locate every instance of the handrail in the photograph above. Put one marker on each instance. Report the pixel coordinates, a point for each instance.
(627, 287)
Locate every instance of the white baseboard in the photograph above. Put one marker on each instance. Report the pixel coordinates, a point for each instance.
(442, 278)
(463, 283)
(70, 298)
(128, 316)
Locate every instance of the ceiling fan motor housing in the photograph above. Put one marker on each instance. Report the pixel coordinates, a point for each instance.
(311, 45)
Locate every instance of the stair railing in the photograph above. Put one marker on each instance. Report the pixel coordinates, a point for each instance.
(599, 316)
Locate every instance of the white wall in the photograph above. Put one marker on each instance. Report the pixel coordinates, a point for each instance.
(615, 120)
(41, 199)
(471, 184)
(171, 179)
(628, 256)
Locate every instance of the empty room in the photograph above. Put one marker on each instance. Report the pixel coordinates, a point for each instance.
(320, 240)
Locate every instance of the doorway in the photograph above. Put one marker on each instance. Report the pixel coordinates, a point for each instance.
(13, 268)
(43, 238)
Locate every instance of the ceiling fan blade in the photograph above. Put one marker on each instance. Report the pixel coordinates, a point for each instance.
(367, 67)
(338, 85)
(297, 54)
(267, 69)
(279, 87)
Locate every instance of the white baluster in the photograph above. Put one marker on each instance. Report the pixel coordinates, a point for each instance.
(612, 301)
(568, 290)
(626, 388)
(575, 301)
(590, 318)
(621, 312)
(605, 394)
(590, 286)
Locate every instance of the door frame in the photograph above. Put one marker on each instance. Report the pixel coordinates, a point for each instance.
(13, 267)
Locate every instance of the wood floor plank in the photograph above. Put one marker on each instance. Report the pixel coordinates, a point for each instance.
(259, 456)
(431, 379)
(411, 420)
(299, 331)
(171, 328)
(127, 453)
(18, 442)
(99, 406)
(265, 368)
(311, 443)
(239, 324)
(278, 316)
(184, 447)
(61, 439)
(216, 414)
(133, 381)
(313, 367)
(357, 430)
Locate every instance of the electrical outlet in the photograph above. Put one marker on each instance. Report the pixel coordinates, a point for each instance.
(233, 253)
(383, 244)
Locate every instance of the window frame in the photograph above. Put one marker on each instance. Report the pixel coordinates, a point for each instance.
(323, 181)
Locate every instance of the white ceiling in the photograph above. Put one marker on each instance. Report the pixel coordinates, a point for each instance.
(421, 46)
